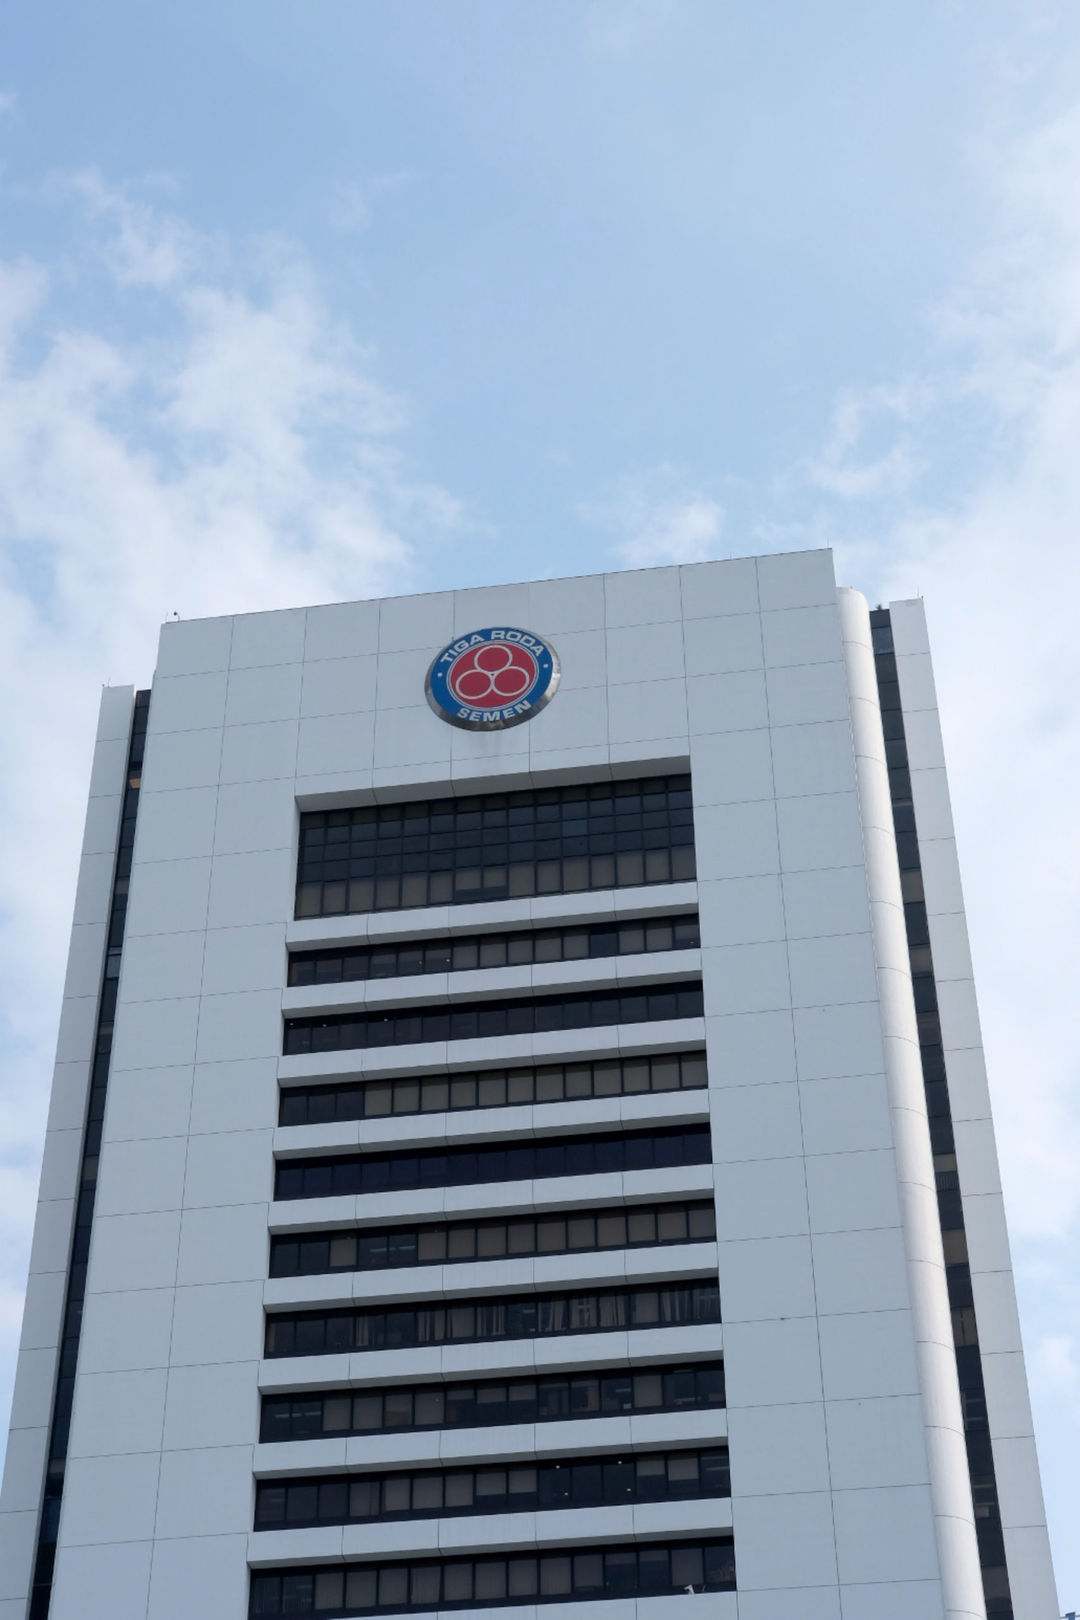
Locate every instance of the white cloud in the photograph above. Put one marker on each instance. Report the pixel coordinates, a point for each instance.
(141, 245)
(232, 451)
(658, 519)
(854, 463)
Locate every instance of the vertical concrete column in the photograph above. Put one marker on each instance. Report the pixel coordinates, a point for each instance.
(950, 1484)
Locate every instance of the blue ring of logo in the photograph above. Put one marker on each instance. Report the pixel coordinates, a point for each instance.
(498, 712)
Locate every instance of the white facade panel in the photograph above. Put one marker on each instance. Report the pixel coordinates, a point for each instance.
(848, 1496)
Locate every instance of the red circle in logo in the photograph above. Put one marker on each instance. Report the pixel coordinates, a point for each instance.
(489, 676)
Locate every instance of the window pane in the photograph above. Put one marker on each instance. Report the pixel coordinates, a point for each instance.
(463, 1091)
(671, 1226)
(648, 1390)
(577, 1080)
(431, 1244)
(297, 1594)
(553, 1400)
(364, 1499)
(424, 1583)
(490, 1577)
(687, 1567)
(366, 1412)
(457, 1583)
(519, 1086)
(393, 1586)
(549, 1085)
(710, 1386)
(342, 1252)
(434, 1096)
(616, 1393)
(429, 1407)
(302, 1503)
(521, 1237)
(584, 1396)
(654, 1571)
(588, 1573)
(636, 1076)
(427, 1493)
(620, 1481)
(395, 1494)
(490, 1482)
(720, 1565)
(360, 1588)
(459, 1491)
(270, 1507)
(682, 1470)
(398, 1409)
(491, 1242)
(329, 1589)
(378, 1100)
(607, 1079)
(522, 1578)
(492, 1090)
(641, 1226)
(460, 1243)
(337, 1414)
(620, 1570)
(665, 1074)
(555, 1576)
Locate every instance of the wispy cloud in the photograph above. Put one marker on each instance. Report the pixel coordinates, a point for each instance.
(867, 453)
(657, 518)
(620, 28)
(235, 451)
(353, 204)
(142, 245)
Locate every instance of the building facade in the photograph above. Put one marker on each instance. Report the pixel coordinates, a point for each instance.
(519, 1133)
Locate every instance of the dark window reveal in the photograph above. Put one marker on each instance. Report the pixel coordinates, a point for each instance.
(517, 1160)
(457, 954)
(492, 1402)
(520, 1487)
(579, 1231)
(392, 857)
(492, 1088)
(472, 1321)
(649, 1569)
(71, 1329)
(965, 1327)
(523, 1015)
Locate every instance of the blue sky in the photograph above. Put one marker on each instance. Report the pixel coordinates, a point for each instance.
(309, 302)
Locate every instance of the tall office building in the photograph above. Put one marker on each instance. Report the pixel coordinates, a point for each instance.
(520, 1134)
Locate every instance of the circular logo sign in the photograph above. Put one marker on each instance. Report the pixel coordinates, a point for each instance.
(491, 679)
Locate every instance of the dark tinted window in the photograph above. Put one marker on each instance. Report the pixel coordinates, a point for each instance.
(526, 1486)
(494, 1401)
(457, 1021)
(492, 1088)
(626, 1570)
(328, 1177)
(393, 857)
(460, 952)
(521, 1316)
(633, 1226)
